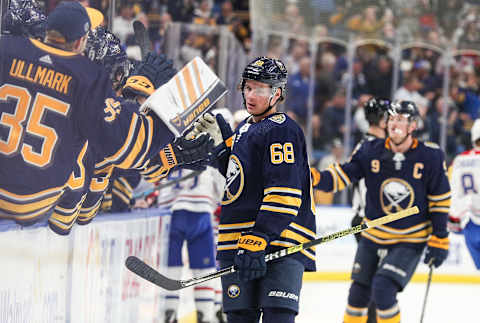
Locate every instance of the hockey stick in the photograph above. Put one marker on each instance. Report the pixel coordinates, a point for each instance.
(167, 184)
(140, 268)
(429, 281)
(141, 38)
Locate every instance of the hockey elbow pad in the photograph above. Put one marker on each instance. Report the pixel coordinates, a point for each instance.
(315, 174)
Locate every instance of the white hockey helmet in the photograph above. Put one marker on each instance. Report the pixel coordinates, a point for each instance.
(475, 131)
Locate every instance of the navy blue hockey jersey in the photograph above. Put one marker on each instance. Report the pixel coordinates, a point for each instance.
(52, 102)
(394, 183)
(268, 188)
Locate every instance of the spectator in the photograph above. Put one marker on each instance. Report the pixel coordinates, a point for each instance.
(334, 116)
(379, 76)
(409, 92)
(181, 10)
(122, 24)
(298, 92)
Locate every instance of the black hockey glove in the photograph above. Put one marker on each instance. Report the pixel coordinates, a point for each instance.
(356, 220)
(149, 74)
(250, 258)
(437, 250)
(187, 153)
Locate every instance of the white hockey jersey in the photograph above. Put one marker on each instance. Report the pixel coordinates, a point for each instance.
(201, 193)
(465, 187)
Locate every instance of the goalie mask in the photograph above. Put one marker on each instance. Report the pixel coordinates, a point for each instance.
(266, 70)
(104, 48)
(25, 18)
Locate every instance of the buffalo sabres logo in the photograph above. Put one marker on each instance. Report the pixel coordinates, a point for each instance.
(396, 195)
(235, 180)
(233, 291)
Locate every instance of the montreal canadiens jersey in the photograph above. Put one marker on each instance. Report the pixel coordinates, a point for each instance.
(52, 103)
(396, 182)
(465, 182)
(201, 193)
(268, 188)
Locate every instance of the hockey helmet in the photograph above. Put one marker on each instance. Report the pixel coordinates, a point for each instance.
(25, 18)
(104, 48)
(475, 131)
(376, 109)
(407, 108)
(266, 70)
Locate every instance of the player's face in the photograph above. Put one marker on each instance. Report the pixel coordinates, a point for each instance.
(398, 128)
(257, 96)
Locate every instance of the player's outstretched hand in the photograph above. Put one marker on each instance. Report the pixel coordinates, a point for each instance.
(157, 68)
(187, 152)
(437, 249)
(250, 258)
(215, 126)
(151, 73)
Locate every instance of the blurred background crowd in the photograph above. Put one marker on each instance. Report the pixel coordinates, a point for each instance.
(338, 53)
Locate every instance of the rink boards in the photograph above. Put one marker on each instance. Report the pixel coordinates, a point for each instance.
(81, 277)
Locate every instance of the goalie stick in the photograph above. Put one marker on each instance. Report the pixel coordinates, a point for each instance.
(140, 268)
(141, 38)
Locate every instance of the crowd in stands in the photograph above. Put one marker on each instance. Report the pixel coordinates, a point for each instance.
(421, 68)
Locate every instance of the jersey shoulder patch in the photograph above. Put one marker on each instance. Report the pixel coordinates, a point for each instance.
(431, 144)
(278, 118)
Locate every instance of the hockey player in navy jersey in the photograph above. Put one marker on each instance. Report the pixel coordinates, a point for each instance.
(267, 204)
(465, 211)
(399, 172)
(54, 103)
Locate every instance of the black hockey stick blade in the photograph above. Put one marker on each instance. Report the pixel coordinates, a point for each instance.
(145, 271)
(141, 38)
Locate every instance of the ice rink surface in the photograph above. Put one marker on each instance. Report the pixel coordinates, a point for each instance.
(324, 302)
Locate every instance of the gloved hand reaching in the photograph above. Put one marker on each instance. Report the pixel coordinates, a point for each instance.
(187, 152)
(250, 258)
(149, 74)
(215, 126)
(437, 250)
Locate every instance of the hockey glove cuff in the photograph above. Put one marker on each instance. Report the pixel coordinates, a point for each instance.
(192, 152)
(250, 258)
(437, 250)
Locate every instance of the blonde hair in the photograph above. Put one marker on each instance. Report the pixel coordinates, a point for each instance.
(56, 38)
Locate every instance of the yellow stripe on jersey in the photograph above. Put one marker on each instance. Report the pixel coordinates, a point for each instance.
(66, 221)
(340, 179)
(234, 236)
(278, 209)
(123, 149)
(135, 151)
(282, 199)
(121, 187)
(13, 208)
(367, 235)
(242, 225)
(99, 184)
(439, 197)
(275, 189)
(140, 163)
(303, 229)
(86, 215)
(307, 252)
(120, 195)
(78, 182)
(386, 235)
